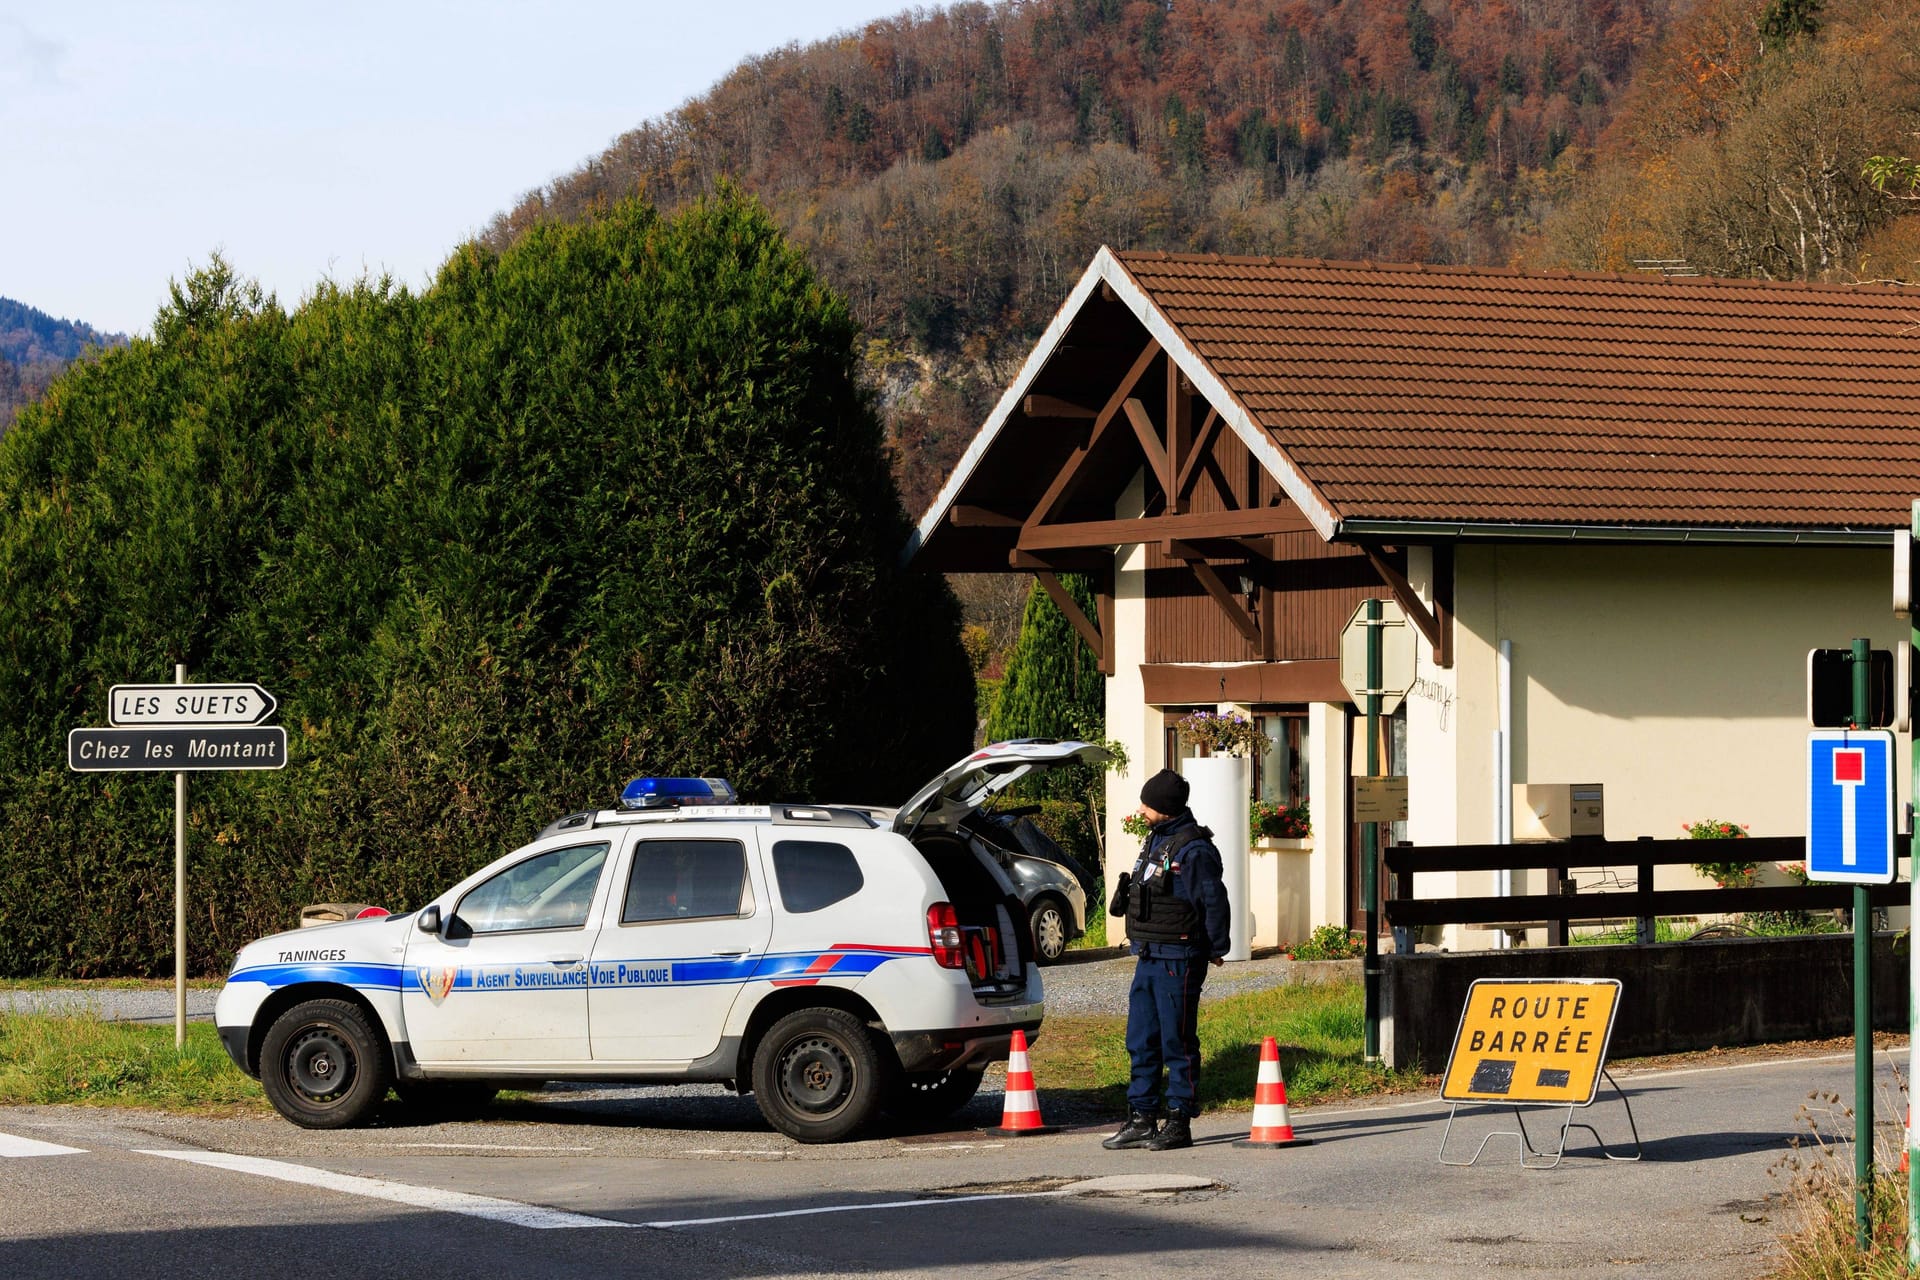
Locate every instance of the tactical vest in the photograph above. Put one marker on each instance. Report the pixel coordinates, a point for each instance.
(1155, 913)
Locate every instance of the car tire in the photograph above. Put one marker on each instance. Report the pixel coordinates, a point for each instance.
(324, 1065)
(818, 1076)
(924, 1097)
(445, 1099)
(1052, 929)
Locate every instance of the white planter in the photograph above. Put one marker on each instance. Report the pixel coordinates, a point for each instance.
(1280, 887)
(1220, 787)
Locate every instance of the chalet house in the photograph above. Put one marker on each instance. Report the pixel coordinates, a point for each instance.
(1617, 511)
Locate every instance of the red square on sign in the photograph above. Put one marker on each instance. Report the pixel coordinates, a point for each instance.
(1849, 766)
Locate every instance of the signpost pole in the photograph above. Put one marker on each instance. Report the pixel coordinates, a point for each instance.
(1370, 839)
(179, 893)
(1913, 913)
(1862, 997)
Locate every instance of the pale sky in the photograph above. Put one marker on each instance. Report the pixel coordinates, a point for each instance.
(307, 141)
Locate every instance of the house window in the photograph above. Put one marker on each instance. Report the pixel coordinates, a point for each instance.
(1281, 774)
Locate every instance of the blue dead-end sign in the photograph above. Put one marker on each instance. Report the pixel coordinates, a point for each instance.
(1850, 797)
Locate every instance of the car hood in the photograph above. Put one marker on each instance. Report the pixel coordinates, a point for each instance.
(375, 940)
(961, 789)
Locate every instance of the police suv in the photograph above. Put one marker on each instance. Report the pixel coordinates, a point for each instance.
(835, 960)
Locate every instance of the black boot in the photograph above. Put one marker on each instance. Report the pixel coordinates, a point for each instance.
(1138, 1131)
(1174, 1135)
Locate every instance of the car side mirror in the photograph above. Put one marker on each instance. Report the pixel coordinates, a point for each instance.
(429, 921)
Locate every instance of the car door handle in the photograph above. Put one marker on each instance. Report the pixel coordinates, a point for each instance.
(737, 952)
(565, 959)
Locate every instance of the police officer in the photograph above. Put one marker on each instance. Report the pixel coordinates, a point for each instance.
(1177, 923)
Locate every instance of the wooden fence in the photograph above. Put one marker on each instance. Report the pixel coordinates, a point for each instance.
(1609, 894)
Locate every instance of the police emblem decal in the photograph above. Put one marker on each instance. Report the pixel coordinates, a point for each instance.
(437, 982)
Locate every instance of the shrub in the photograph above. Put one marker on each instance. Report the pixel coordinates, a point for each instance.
(1329, 942)
(611, 501)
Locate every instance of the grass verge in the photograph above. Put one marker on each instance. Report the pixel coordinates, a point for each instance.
(49, 1059)
(58, 1059)
(1320, 1028)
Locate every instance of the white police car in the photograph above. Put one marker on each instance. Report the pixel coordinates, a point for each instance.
(834, 960)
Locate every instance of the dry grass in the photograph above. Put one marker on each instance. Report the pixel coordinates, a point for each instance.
(1818, 1191)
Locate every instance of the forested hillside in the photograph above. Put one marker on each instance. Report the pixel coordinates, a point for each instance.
(952, 171)
(34, 348)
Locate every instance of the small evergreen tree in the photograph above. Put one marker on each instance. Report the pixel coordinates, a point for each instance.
(1052, 687)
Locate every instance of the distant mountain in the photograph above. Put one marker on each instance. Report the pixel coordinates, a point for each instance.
(34, 348)
(952, 170)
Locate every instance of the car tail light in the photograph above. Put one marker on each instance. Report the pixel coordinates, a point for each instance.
(943, 935)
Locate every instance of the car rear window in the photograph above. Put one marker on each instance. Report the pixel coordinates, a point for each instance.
(814, 873)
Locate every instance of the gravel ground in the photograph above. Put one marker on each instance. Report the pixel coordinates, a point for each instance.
(1099, 984)
(1091, 985)
(154, 1005)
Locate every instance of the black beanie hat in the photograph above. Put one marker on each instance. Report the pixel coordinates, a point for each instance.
(1165, 792)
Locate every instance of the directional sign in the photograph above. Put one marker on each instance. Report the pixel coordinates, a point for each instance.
(176, 750)
(188, 704)
(1850, 797)
(1396, 656)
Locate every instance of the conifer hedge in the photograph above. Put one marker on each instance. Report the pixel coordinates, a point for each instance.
(611, 501)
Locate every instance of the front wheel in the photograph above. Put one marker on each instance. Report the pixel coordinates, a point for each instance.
(324, 1065)
(818, 1076)
(1050, 930)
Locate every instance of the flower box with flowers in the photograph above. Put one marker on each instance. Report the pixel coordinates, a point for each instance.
(1212, 734)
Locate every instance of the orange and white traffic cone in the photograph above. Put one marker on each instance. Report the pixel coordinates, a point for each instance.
(1271, 1128)
(1021, 1116)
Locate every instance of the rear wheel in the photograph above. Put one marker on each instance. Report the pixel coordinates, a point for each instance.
(324, 1065)
(818, 1076)
(1050, 930)
(934, 1095)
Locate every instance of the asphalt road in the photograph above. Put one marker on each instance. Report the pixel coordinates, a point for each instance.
(671, 1184)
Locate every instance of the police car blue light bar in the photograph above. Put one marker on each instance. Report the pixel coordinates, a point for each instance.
(673, 793)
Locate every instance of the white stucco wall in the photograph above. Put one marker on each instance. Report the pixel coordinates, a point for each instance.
(1675, 676)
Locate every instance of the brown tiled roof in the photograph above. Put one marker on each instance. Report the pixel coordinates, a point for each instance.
(1441, 393)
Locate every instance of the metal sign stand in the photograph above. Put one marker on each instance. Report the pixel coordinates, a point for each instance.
(1566, 1125)
(217, 727)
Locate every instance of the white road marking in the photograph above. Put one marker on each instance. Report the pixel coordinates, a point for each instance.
(526, 1215)
(1118, 1184)
(508, 1211)
(14, 1148)
(1647, 1074)
(470, 1146)
(857, 1208)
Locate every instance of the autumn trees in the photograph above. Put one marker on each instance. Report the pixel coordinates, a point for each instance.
(1743, 146)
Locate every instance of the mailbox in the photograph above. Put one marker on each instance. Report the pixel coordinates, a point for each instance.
(1558, 810)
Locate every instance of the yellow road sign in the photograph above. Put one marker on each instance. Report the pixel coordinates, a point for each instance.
(1540, 1040)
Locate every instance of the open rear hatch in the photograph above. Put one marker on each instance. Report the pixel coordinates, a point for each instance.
(940, 820)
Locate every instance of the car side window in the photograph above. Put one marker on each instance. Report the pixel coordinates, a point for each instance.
(686, 880)
(814, 873)
(552, 890)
